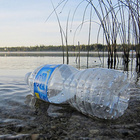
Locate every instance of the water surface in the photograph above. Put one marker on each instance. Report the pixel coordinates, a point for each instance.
(24, 117)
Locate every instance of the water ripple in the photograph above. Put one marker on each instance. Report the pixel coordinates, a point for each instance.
(22, 116)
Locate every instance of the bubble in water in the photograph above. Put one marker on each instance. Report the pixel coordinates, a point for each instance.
(128, 89)
(62, 94)
(107, 110)
(101, 105)
(98, 94)
(112, 117)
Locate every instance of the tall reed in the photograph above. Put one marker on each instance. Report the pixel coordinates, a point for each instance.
(120, 24)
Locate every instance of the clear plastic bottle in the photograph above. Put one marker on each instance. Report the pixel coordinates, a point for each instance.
(95, 92)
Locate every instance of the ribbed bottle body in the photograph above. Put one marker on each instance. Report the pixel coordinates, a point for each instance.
(98, 92)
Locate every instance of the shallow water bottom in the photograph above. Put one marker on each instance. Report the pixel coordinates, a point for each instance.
(24, 117)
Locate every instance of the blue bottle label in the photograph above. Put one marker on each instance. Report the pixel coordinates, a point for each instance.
(41, 81)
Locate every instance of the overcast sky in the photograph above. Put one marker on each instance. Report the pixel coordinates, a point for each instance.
(23, 23)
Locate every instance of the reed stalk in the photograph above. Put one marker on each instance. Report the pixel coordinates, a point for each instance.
(79, 54)
(61, 31)
(119, 20)
(89, 36)
(67, 49)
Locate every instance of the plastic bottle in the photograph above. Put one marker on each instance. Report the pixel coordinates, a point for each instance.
(95, 92)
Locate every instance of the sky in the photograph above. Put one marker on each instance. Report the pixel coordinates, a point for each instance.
(28, 23)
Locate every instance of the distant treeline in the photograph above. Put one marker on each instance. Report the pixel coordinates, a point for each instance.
(93, 47)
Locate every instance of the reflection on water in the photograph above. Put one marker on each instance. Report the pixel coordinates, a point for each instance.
(20, 60)
(30, 101)
(51, 110)
(24, 117)
(23, 64)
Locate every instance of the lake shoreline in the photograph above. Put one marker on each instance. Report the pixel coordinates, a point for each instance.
(59, 53)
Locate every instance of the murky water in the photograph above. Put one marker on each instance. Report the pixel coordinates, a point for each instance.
(24, 117)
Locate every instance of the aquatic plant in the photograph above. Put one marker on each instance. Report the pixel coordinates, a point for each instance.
(119, 23)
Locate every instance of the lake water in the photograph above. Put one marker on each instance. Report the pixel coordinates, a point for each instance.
(24, 117)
